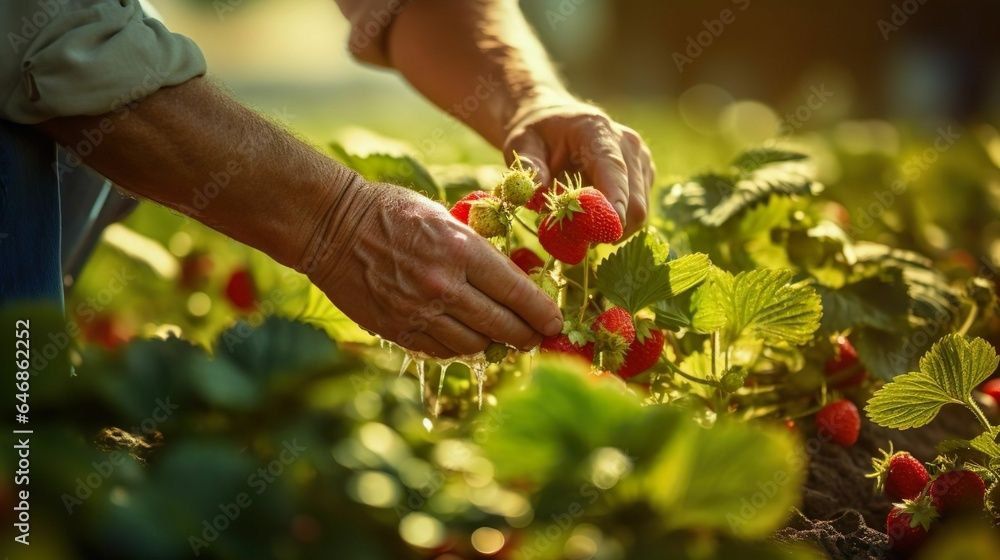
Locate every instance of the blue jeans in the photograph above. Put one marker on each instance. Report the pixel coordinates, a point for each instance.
(35, 236)
(30, 230)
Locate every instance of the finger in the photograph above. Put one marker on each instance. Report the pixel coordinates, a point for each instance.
(422, 342)
(637, 186)
(456, 336)
(500, 279)
(530, 149)
(477, 311)
(603, 163)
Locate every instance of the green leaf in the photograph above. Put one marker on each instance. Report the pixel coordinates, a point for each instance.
(959, 364)
(756, 158)
(879, 301)
(949, 372)
(695, 478)
(707, 478)
(398, 169)
(758, 303)
(638, 274)
(909, 401)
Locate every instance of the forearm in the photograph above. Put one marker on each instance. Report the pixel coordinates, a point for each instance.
(197, 151)
(477, 59)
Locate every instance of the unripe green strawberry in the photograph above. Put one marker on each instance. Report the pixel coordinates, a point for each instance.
(548, 283)
(487, 218)
(517, 187)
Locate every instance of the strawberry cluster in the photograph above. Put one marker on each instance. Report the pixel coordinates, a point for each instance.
(612, 341)
(919, 499)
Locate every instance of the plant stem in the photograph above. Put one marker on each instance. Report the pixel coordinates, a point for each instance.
(526, 225)
(689, 377)
(971, 404)
(715, 351)
(969, 320)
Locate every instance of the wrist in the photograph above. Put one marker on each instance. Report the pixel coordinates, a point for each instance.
(332, 227)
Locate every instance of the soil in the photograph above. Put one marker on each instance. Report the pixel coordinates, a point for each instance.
(841, 513)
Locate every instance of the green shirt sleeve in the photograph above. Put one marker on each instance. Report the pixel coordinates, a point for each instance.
(86, 57)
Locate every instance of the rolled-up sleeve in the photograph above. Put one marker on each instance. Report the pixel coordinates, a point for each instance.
(370, 23)
(86, 57)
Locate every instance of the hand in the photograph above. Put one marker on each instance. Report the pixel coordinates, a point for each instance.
(416, 276)
(576, 137)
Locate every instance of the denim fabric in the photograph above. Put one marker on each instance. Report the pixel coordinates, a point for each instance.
(29, 217)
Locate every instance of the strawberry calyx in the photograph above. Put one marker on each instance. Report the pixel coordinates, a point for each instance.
(562, 202)
(921, 511)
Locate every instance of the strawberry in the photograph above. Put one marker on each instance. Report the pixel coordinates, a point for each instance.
(992, 388)
(956, 491)
(560, 246)
(840, 422)
(107, 330)
(526, 260)
(642, 354)
(899, 475)
(561, 344)
(517, 187)
(487, 218)
(574, 219)
(616, 320)
(614, 333)
(460, 210)
(907, 524)
(240, 290)
(844, 360)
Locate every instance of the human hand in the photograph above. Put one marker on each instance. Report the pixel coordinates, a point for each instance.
(414, 275)
(576, 137)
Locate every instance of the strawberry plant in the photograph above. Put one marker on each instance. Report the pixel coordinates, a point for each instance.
(708, 364)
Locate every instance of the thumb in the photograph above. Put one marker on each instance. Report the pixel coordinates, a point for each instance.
(531, 150)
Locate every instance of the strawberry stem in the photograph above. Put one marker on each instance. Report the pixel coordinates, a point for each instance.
(971, 405)
(525, 225)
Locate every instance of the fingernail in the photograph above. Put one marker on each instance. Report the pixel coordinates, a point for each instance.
(553, 328)
(620, 208)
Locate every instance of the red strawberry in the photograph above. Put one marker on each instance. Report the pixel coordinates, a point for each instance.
(570, 250)
(956, 491)
(526, 259)
(616, 320)
(196, 269)
(575, 219)
(461, 208)
(907, 524)
(614, 333)
(601, 223)
(992, 388)
(899, 475)
(845, 358)
(107, 330)
(240, 290)
(561, 344)
(642, 354)
(840, 422)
